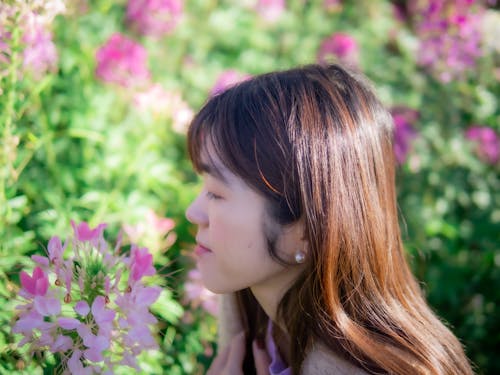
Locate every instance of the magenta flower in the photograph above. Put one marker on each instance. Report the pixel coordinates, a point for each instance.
(341, 47)
(450, 36)
(486, 141)
(88, 315)
(404, 132)
(227, 79)
(84, 233)
(154, 17)
(270, 10)
(141, 264)
(123, 62)
(36, 285)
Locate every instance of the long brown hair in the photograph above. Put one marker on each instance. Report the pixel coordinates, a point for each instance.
(318, 145)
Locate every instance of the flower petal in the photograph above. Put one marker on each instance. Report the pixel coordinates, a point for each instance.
(82, 308)
(47, 306)
(68, 323)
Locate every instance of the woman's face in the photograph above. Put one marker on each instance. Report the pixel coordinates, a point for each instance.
(232, 251)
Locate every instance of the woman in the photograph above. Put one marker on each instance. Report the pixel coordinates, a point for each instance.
(298, 229)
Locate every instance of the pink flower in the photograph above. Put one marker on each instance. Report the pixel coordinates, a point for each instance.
(332, 5)
(102, 316)
(68, 323)
(450, 36)
(404, 118)
(41, 260)
(156, 232)
(141, 264)
(339, 46)
(30, 321)
(40, 53)
(270, 10)
(75, 364)
(116, 325)
(82, 308)
(84, 233)
(154, 17)
(168, 103)
(198, 295)
(47, 306)
(487, 143)
(227, 79)
(36, 285)
(61, 344)
(123, 62)
(160, 224)
(55, 249)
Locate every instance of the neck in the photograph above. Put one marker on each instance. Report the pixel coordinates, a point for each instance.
(270, 293)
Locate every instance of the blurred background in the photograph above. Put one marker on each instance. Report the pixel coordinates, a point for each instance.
(96, 96)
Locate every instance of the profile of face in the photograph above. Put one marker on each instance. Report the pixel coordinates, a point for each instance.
(233, 227)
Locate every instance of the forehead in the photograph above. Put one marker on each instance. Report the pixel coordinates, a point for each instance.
(211, 164)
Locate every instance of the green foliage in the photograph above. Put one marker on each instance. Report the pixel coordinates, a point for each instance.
(73, 147)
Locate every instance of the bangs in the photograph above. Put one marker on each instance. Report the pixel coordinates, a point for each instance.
(206, 137)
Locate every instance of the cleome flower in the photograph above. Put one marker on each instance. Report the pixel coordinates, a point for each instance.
(90, 308)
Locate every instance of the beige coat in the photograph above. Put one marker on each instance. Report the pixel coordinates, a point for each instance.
(319, 361)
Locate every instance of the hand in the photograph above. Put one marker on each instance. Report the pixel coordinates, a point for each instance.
(230, 360)
(261, 359)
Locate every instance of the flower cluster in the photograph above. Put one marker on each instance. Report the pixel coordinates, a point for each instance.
(155, 231)
(39, 54)
(165, 103)
(270, 10)
(123, 62)
(91, 309)
(404, 132)
(227, 79)
(486, 141)
(341, 47)
(154, 17)
(197, 295)
(450, 36)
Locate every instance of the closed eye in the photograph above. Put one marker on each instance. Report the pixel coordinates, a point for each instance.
(213, 196)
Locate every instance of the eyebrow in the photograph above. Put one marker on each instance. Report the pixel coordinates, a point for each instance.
(214, 172)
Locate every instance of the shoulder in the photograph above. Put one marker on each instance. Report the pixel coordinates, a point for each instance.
(322, 361)
(319, 361)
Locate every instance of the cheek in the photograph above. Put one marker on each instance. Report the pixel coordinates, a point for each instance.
(237, 228)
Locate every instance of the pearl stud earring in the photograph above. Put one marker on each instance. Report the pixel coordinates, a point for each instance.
(300, 257)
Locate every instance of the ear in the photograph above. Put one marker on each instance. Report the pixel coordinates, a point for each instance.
(292, 240)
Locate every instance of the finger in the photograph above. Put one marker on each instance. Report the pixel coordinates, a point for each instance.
(236, 354)
(261, 359)
(219, 362)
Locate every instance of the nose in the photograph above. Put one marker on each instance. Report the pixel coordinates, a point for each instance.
(196, 213)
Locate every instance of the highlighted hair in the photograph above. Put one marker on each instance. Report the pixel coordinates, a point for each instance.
(318, 145)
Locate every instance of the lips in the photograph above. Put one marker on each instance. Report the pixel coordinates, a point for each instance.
(200, 250)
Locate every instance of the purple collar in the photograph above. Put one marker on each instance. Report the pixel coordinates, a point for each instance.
(277, 366)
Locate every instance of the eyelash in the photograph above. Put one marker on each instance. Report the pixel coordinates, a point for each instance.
(213, 196)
